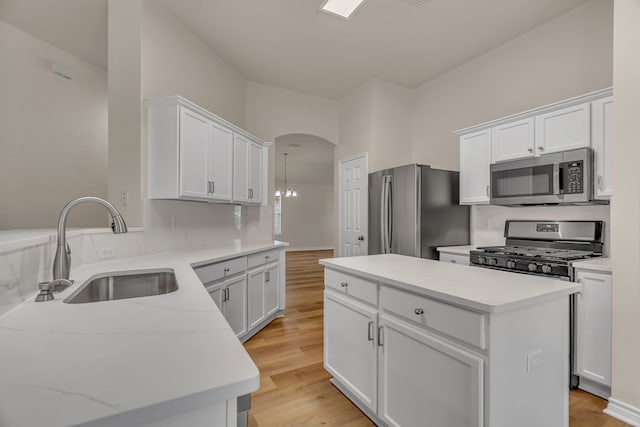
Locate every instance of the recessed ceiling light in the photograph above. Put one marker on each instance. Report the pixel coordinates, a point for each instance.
(341, 8)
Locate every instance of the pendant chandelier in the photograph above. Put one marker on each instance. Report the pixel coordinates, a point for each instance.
(288, 191)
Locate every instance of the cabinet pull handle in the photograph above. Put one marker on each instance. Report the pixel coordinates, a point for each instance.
(599, 180)
(540, 148)
(530, 150)
(380, 343)
(418, 311)
(266, 258)
(344, 284)
(370, 331)
(487, 190)
(213, 187)
(453, 261)
(267, 276)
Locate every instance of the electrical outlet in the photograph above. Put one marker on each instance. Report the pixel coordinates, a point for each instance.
(108, 252)
(124, 199)
(534, 360)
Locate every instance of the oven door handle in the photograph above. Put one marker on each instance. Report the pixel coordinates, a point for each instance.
(558, 187)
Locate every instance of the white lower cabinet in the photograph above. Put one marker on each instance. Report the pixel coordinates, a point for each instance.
(350, 351)
(593, 332)
(427, 381)
(231, 298)
(247, 299)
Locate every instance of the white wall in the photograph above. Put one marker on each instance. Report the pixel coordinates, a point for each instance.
(307, 220)
(568, 56)
(54, 134)
(625, 211)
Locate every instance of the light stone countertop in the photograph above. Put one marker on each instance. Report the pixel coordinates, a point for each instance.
(123, 362)
(458, 250)
(602, 264)
(476, 288)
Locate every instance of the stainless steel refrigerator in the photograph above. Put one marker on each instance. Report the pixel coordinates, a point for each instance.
(413, 209)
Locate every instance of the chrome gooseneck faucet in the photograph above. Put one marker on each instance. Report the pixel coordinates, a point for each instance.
(62, 260)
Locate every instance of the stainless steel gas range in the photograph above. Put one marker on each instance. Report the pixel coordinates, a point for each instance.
(546, 248)
(543, 247)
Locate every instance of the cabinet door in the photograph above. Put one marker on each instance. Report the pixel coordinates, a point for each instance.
(475, 158)
(256, 296)
(602, 141)
(271, 288)
(350, 352)
(425, 381)
(240, 168)
(255, 173)
(565, 129)
(215, 292)
(512, 140)
(235, 304)
(593, 327)
(194, 141)
(220, 161)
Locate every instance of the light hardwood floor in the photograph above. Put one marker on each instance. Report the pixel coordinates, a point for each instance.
(295, 388)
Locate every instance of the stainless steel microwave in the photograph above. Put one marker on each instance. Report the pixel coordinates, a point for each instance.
(565, 177)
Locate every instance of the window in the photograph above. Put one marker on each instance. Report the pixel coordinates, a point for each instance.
(277, 216)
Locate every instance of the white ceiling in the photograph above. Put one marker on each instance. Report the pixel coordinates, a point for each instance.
(309, 160)
(77, 26)
(290, 44)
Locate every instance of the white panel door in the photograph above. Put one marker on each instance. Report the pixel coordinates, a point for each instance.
(593, 327)
(513, 140)
(565, 129)
(256, 285)
(353, 184)
(475, 158)
(602, 142)
(350, 352)
(425, 381)
(220, 161)
(240, 168)
(194, 142)
(271, 288)
(234, 299)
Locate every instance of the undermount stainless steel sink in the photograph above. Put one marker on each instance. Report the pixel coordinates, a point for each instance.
(120, 286)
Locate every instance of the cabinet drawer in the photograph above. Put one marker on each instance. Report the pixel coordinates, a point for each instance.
(351, 285)
(219, 270)
(459, 323)
(263, 258)
(454, 258)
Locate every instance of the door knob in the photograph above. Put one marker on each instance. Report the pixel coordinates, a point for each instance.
(361, 238)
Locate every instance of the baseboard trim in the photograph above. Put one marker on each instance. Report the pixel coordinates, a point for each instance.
(309, 248)
(593, 387)
(623, 411)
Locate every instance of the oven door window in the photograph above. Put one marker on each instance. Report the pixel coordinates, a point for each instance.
(529, 181)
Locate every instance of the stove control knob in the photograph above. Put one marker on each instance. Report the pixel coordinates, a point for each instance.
(511, 263)
(492, 261)
(481, 260)
(546, 268)
(533, 267)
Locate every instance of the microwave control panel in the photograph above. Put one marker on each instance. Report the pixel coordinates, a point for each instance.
(573, 177)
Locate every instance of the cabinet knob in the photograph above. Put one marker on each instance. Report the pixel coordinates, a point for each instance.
(344, 284)
(226, 270)
(418, 311)
(540, 148)
(530, 150)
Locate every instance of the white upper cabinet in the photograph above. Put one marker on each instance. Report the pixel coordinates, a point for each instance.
(475, 157)
(514, 140)
(247, 170)
(601, 142)
(192, 154)
(564, 129)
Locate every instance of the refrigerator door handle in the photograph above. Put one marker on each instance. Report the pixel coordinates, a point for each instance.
(383, 215)
(389, 216)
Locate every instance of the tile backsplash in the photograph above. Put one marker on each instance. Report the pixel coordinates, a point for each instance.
(487, 221)
(168, 226)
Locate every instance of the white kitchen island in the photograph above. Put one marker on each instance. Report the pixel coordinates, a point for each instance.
(416, 342)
